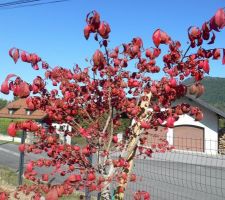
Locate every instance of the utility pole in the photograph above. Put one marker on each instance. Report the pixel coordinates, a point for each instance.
(21, 164)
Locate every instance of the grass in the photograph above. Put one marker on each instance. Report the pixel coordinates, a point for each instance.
(78, 140)
(4, 142)
(9, 181)
(8, 176)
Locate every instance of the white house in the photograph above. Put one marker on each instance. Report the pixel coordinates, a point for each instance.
(60, 129)
(198, 136)
(188, 134)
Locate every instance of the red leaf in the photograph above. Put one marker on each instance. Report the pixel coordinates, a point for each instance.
(170, 122)
(24, 90)
(35, 67)
(91, 177)
(199, 116)
(3, 196)
(9, 76)
(16, 90)
(194, 32)
(138, 41)
(29, 167)
(34, 58)
(156, 52)
(206, 66)
(87, 31)
(14, 53)
(149, 54)
(213, 25)
(216, 54)
(44, 177)
(5, 87)
(23, 56)
(115, 139)
(34, 127)
(160, 37)
(84, 133)
(156, 37)
(98, 58)
(45, 65)
(21, 147)
(12, 129)
(11, 52)
(223, 61)
(220, 18)
(104, 30)
(212, 39)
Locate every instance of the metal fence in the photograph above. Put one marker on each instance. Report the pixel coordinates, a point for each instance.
(186, 174)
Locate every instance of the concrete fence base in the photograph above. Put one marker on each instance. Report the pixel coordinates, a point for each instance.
(10, 139)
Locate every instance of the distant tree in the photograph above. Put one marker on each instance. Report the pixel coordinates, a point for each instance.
(3, 103)
(99, 95)
(15, 98)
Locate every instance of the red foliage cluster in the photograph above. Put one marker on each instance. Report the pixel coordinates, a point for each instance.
(95, 25)
(141, 195)
(4, 196)
(93, 102)
(25, 125)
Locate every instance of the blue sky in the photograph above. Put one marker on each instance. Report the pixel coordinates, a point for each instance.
(55, 32)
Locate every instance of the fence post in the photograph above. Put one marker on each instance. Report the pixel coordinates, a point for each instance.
(87, 192)
(21, 164)
(99, 196)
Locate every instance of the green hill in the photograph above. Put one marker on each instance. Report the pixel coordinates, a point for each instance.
(214, 91)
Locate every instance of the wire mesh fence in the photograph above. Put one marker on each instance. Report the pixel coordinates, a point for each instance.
(194, 170)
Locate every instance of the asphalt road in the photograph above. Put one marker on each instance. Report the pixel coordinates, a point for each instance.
(165, 179)
(9, 157)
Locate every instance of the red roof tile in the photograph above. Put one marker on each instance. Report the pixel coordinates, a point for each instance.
(19, 108)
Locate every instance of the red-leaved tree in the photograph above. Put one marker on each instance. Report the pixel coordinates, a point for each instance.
(92, 101)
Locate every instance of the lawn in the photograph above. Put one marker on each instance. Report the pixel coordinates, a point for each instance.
(78, 140)
(8, 176)
(9, 181)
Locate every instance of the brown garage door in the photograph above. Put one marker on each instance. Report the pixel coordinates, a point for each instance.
(188, 138)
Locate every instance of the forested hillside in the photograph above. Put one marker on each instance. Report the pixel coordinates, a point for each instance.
(214, 91)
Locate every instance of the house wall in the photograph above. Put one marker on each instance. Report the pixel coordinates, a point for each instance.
(60, 128)
(209, 123)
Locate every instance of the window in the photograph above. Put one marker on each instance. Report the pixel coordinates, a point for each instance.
(11, 111)
(62, 128)
(28, 112)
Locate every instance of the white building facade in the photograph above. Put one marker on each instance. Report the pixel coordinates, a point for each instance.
(196, 136)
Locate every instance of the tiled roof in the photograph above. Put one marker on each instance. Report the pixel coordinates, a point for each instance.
(206, 105)
(19, 108)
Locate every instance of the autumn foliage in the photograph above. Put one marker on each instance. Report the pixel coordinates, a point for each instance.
(99, 95)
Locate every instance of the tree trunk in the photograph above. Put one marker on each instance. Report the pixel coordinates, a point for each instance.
(105, 192)
(132, 146)
(129, 154)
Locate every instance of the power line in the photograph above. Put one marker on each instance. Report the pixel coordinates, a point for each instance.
(27, 3)
(12, 3)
